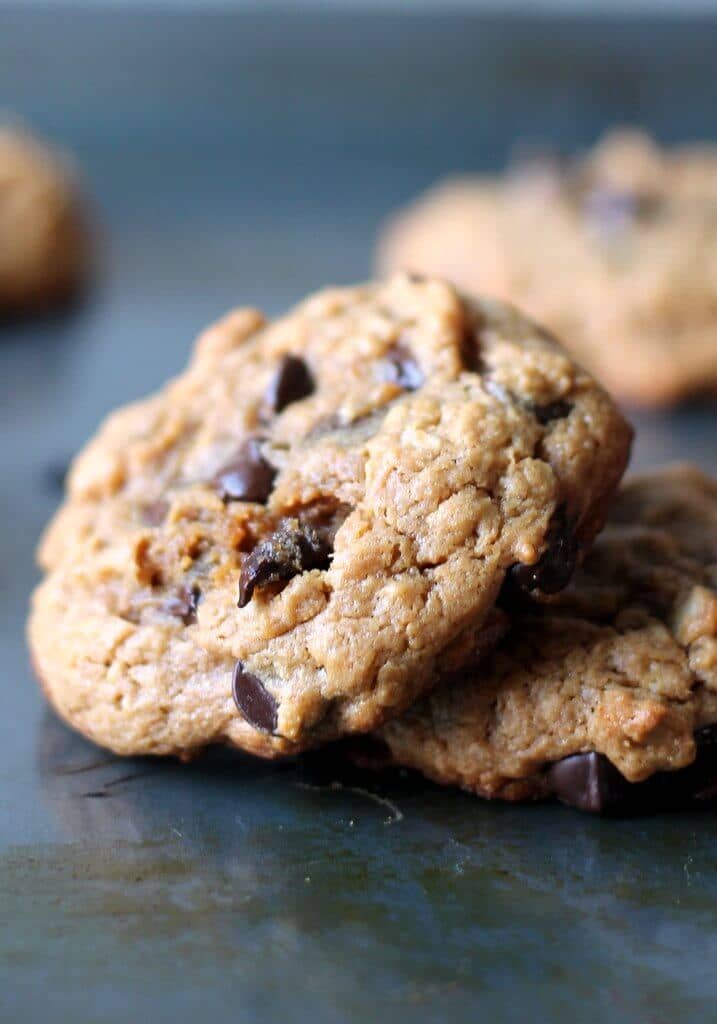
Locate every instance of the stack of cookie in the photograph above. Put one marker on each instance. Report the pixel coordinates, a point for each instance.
(376, 518)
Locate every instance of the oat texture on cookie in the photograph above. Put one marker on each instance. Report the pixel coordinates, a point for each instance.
(298, 535)
(611, 684)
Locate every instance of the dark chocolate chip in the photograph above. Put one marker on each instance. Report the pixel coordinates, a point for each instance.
(294, 548)
(247, 476)
(555, 568)
(401, 368)
(183, 604)
(155, 513)
(556, 410)
(253, 699)
(589, 782)
(291, 382)
(471, 356)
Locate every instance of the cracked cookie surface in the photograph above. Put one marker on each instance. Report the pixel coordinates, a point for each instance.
(615, 251)
(43, 234)
(620, 668)
(294, 538)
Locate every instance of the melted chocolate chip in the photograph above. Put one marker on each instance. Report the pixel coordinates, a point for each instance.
(294, 548)
(402, 369)
(155, 513)
(556, 410)
(588, 782)
(291, 382)
(183, 604)
(555, 568)
(253, 699)
(247, 476)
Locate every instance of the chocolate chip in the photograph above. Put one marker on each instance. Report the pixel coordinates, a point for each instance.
(155, 513)
(294, 548)
(471, 356)
(555, 568)
(401, 368)
(291, 382)
(556, 410)
(183, 604)
(253, 699)
(247, 476)
(588, 782)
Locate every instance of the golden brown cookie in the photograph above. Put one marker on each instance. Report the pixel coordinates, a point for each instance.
(616, 252)
(611, 684)
(319, 515)
(43, 234)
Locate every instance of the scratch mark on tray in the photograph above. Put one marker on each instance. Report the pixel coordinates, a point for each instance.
(382, 801)
(120, 780)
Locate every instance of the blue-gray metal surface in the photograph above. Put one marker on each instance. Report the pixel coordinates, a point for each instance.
(250, 159)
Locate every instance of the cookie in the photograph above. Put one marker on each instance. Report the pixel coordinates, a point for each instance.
(43, 235)
(292, 539)
(607, 697)
(615, 251)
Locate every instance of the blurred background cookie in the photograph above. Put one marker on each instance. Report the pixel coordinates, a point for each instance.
(615, 250)
(44, 247)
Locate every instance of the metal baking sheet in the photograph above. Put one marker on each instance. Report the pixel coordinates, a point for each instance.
(239, 159)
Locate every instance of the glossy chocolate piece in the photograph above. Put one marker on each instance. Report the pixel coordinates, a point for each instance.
(247, 476)
(291, 382)
(590, 782)
(253, 700)
(553, 571)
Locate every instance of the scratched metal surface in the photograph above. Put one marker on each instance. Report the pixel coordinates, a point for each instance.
(250, 159)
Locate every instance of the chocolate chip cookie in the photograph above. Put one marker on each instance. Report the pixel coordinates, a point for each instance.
(616, 251)
(607, 697)
(43, 235)
(294, 538)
